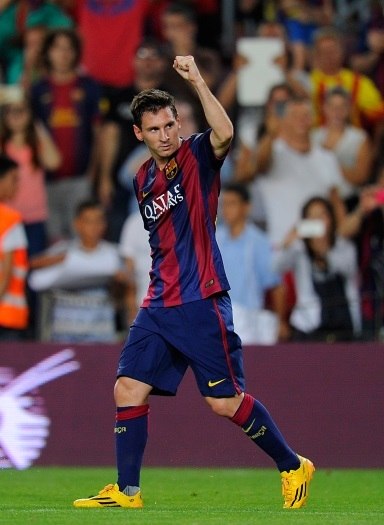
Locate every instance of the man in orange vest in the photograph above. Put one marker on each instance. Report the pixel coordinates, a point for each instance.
(13, 258)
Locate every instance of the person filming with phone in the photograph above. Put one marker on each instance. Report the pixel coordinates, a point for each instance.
(324, 267)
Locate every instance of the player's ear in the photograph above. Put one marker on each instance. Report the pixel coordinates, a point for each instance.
(137, 131)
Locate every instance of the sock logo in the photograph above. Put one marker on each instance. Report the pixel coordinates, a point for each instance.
(246, 430)
(120, 430)
(262, 430)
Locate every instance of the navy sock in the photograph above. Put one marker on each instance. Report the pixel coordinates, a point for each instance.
(256, 422)
(131, 432)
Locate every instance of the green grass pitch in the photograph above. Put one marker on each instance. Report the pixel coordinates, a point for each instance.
(191, 497)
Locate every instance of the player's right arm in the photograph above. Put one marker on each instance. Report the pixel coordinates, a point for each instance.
(217, 118)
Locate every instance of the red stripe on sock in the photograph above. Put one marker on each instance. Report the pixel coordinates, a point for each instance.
(244, 410)
(132, 412)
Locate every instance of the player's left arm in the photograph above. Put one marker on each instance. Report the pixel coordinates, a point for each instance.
(217, 118)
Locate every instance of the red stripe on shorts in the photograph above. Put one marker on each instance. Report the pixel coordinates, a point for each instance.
(225, 345)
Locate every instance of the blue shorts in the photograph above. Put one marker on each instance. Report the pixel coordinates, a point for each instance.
(163, 342)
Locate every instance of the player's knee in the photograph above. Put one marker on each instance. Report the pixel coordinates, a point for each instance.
(225, 407)
(129, 392)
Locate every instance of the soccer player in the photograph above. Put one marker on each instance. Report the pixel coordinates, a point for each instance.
(186, 317)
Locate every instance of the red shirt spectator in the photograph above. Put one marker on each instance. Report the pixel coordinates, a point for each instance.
(111, 33)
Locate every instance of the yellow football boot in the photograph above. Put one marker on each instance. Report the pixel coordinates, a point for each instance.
(110, 496)
(295, 484)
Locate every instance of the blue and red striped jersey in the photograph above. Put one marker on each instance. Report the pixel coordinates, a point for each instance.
(179, 207)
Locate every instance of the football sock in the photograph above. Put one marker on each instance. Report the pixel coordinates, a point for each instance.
(131, 432)
(256, 422)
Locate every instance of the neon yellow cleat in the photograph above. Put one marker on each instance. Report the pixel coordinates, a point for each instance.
(110, 496)
(295, 484)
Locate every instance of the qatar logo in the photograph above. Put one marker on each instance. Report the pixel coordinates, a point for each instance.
(154, 210)
(24, 423)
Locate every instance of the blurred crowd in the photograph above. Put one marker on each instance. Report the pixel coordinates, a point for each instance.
(301, 222)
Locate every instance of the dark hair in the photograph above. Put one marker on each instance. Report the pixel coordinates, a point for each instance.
(6, 165)
(88, 204)
(178, 8)
(152, 101)
(337, 91)
(327, 32)
(50, 40)
(240, 189)
(294, 100)
(150, 42)
(277, 87)
(331, 212)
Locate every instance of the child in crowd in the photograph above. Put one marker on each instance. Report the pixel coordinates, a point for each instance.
(80, 272)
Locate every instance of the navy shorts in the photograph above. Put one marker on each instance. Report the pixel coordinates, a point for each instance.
(163, 342)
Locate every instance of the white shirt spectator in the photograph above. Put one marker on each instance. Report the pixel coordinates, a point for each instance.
(292, 179)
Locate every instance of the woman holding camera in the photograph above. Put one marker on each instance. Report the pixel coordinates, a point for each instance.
(324, 266)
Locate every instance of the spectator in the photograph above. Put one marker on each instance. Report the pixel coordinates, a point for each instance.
(13, 258)
(252, 131)
(29, 144)
(119, 26)
(79, 273)
(371, 61)
(365, 224)
(291, 169)
(117, 138)
(367, 106)
(68, 105)
(28, 67)
(249, 14)
(351, 145)
(18, 17)
(326, 278)
(243, 245)
(301, 18)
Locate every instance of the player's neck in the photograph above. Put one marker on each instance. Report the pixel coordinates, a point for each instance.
(162, 162)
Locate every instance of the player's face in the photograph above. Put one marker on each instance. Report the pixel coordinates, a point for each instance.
(160, 132)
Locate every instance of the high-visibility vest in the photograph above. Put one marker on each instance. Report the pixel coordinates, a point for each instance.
(13, 303)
